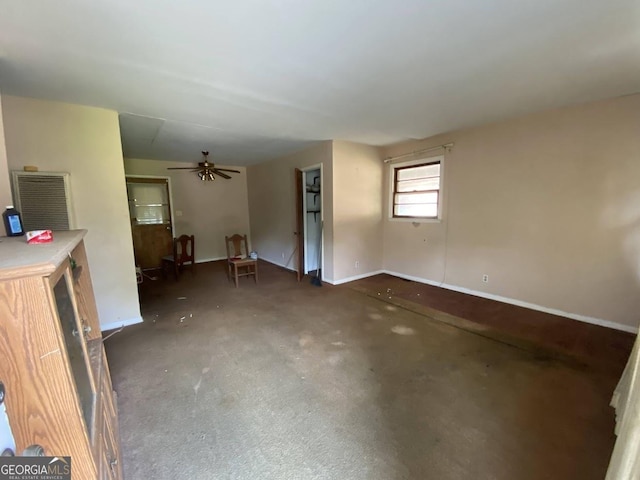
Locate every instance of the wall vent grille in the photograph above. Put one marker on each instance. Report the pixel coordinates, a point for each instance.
(43, 199)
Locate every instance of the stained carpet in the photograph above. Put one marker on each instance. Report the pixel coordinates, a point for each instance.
(285, 380)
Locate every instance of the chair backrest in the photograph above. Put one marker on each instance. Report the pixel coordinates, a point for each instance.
(235, 241)
(184, 249)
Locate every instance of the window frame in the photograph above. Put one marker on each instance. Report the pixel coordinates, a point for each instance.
(394, 167)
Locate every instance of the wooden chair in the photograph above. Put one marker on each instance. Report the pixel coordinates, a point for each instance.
(237, 259)
(183, 253)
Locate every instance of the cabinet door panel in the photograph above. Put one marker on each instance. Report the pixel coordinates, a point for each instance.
(106, 473)
(76, 349)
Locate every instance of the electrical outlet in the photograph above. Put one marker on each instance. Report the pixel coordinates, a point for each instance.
(357, 264)
(485, 278)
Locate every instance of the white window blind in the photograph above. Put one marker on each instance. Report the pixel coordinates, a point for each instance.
(43, 199)
(416, 190)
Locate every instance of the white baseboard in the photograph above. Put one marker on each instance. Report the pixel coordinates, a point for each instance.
(291, 269)
(212, 259)
(355, 277)
(120, 323)
(519, 303)
(330, 280)
(278, 264)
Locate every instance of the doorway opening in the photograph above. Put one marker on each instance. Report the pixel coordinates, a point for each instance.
(312, 221)
(151, 219)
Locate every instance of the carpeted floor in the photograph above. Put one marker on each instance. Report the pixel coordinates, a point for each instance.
(282, 380)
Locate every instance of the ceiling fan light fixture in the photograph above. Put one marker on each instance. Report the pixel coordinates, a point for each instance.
(207, 171)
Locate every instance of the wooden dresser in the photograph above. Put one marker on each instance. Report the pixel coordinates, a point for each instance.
(58, 392)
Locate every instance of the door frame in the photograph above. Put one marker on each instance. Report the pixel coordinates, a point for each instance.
(166, 178)
(305, 217)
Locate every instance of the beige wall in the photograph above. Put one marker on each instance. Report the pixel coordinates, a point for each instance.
(5, 185)
(547, 205)
(357, 215)
(210, 210)
(272, 205)
(85, 142)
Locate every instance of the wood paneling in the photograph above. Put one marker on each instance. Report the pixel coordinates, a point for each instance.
(151, 243)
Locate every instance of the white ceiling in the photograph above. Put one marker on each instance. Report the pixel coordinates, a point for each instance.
(253, 79)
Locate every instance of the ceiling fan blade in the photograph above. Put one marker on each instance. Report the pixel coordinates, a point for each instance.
(223, 175)
(179, 168)
(228, 170)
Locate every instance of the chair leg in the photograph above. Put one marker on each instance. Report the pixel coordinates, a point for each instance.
(176, 270)
(255, 272)
(235, 274)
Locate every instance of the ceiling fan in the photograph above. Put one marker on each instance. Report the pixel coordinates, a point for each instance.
(207, 171)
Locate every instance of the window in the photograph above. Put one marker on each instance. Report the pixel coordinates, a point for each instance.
(416, 189)
(148, 201)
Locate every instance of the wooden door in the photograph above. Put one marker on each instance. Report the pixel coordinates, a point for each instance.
(150, 212)
(299, 224)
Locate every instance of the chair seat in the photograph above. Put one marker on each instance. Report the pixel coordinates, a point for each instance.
(168, 258)
(242, 261)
